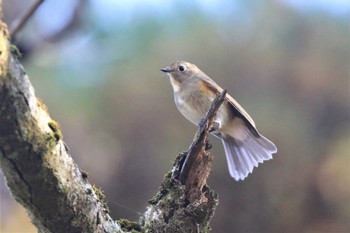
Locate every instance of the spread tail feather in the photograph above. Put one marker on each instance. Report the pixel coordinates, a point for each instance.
(243, 156)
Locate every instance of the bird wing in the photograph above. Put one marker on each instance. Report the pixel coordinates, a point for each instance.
(236, 107)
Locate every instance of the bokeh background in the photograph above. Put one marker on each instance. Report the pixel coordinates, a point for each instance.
(95, 64)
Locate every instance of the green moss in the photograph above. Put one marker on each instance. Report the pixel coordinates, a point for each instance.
(129, 225)
(47, 141)
(56, 130)
(15, 50)
(170, 208)
(101, 197)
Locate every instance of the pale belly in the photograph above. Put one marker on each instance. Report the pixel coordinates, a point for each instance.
(192, 114)
(194, 108)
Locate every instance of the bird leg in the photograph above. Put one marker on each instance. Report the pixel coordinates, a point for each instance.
(216, 125)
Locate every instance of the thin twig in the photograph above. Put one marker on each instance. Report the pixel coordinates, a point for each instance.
(201, 137)
(20, 22)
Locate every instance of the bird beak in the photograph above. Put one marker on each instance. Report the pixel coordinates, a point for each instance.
(166, 70)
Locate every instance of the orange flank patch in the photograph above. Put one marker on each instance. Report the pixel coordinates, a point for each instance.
(206, 89)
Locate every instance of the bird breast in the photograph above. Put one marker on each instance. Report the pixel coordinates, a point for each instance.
(194, 102)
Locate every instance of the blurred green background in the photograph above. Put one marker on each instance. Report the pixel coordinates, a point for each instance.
(95, 64)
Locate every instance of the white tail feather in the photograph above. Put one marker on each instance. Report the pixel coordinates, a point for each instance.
(243, 156)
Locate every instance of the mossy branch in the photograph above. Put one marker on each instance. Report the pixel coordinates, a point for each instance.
(34, 160)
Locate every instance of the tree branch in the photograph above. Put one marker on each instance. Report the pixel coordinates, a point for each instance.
(20, 22)
(43, 177)
(33, 158)
(185, 203)
(197, 165)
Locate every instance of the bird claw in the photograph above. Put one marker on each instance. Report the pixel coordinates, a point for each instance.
(217, 124)
(208, 145)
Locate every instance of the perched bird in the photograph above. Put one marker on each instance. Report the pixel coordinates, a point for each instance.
(194, 92)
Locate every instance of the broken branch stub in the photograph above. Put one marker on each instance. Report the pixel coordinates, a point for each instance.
(197, 165)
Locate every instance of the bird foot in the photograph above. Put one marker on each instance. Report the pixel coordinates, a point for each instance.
(208, 145)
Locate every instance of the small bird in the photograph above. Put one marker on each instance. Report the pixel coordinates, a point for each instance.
(194, 92)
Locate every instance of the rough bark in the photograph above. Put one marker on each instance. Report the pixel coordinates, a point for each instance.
(42, 176)
(34, 160)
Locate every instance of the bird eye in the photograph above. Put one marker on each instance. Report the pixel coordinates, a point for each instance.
(182, 68)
